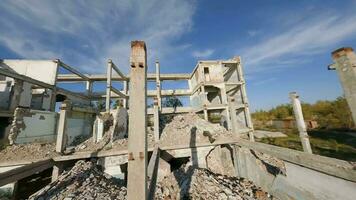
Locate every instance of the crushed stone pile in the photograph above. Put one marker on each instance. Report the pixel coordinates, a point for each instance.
(27, 152)
(84, 181)
(190, 128)
(197, 183)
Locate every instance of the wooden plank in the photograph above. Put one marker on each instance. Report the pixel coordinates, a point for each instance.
(24, 171)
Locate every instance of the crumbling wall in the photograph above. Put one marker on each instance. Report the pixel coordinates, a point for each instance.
(32, 126)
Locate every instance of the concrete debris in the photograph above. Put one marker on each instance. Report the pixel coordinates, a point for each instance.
(27, 152)
(272, 164)
(84, 181)
(190, 128)
(197, 183)
(219, 160)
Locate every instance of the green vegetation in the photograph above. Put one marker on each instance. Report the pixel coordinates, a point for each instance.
(329, 114)
(330, 143)
(335, 137)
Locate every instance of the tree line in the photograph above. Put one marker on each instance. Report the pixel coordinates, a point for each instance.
(329, 114)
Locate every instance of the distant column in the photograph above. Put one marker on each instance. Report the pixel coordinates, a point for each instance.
(297, 108)
(108, 86)
(158, 85)
(345, 65)
(137, 144)
(125, 92)
(156, 119)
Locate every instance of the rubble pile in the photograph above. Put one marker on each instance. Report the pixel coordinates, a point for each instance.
(27, 152)
(190, 128)
(197, 183)
(84, 181)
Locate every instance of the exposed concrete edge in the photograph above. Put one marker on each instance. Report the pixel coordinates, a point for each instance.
(24, 171)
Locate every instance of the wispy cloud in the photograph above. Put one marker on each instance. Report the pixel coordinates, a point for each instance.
(87, 33)
(202, 53)
(252, 33)
(305, 39)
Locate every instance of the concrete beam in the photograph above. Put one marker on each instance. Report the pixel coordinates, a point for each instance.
(137, 143)
(24, 171)
(102, 77)
(71, 69)
(113, 66)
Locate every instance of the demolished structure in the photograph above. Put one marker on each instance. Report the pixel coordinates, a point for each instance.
(210, 140)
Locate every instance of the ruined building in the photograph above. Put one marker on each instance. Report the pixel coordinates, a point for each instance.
(46, 128)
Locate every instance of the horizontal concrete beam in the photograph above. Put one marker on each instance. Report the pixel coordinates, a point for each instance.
(24, 171)
(167, 110)
(116, 77)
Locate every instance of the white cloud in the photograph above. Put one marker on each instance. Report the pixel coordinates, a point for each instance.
(87, 33)
(252, 33)
(307, 38)
(203, 53)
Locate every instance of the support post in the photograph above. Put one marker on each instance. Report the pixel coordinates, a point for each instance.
(125, 92)
(297, 108)
(245, 99)
(62, 126)
(108, 86)
(89, 87)
(202, 88)
(156, 119)
(158, 85)
(345, 65)
(137, 144)
(233, 116)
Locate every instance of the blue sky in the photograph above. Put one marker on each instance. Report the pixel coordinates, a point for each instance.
(285, 45)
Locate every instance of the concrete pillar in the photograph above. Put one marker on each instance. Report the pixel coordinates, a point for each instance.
(156, 119)
(158, 85)
(232, 108)
(345, 65)
(108, 86)
(62, 126)
(137, 144)
(57, 170)
(297, 108)
(245, 99)
(204, 103)
(89, 87)
(125, 92)
(98, 129)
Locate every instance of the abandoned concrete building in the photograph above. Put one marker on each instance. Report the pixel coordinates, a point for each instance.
(46, 129)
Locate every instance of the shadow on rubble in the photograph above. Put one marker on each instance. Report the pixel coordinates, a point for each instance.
(182, 175)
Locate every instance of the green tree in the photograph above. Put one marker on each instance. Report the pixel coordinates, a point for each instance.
(172, 102)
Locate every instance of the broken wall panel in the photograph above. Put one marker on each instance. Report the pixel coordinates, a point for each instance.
(79, 124)
(33, 126)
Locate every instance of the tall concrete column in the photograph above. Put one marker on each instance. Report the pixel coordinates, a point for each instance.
(137, 144)
(108, 86)
(298, 113)
(345, 65)
(158, 85)
(125, 92)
